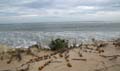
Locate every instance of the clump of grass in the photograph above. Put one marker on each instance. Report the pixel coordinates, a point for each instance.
(47, 63)
(67, 60)
(15, 54)
(60, 55)
(116, 42)
(40, 68)
(69, 65)
(80, 54)
(58, 44)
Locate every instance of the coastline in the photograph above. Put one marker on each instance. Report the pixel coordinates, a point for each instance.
(28, 38)
(98, 56)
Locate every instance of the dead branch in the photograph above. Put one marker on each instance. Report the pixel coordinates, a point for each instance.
(79, 59)
(109, 56)
(56, 62)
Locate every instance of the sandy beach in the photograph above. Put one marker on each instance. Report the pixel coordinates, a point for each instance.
(59, 35)
(97, 56)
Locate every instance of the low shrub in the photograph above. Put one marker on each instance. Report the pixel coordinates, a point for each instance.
(58, 44)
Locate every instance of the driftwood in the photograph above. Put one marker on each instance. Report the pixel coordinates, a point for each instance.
(56, 62)
(109, 56)
(113, 57)
(79, 59)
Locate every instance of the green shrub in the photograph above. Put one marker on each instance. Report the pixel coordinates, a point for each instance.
(58, 44)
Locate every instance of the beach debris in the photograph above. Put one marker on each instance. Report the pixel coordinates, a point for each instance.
(55, 57)
(47, 63)
(40, 58)
(109, 56)
(46, 57)
(60, 55)
(34, 46)
(66, 54)
(85, 50)
(16, 55)
(80, 46)
(86, 46)
(90, 51)
(8, 62)
(56, 62)
(80, 54)
(113, 57)
(2, 54)
(36, 59)
(99, 44)
(100, 51)
(94, 42)
(102, 45)
(24, 68)
(74, 45)
(69, 65)
(116, 42)
(29, 52)
(1, 57)
(40, 68)
(66, 58)
(79, 59)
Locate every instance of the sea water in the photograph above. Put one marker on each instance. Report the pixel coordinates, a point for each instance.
(27, 34)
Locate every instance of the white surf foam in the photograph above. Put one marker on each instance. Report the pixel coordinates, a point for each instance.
(25, 39)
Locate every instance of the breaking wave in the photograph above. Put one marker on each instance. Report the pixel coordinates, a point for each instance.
(26, 39)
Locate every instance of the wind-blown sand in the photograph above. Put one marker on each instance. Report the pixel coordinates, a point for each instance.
(99, 56)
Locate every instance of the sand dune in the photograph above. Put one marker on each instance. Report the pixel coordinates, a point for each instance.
(87, 57)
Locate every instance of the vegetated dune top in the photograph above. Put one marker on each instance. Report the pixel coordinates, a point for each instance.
(100, 56)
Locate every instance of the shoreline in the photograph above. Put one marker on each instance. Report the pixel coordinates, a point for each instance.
(70, 43)
(98, 56)
(25, 39)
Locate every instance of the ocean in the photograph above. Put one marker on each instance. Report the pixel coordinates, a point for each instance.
(27, 34)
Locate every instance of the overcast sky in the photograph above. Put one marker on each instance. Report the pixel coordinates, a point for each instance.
(14, 11)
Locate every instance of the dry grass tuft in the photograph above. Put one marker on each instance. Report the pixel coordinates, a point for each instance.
(69, 65)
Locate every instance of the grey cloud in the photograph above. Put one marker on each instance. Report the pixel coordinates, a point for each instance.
(56, 7)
